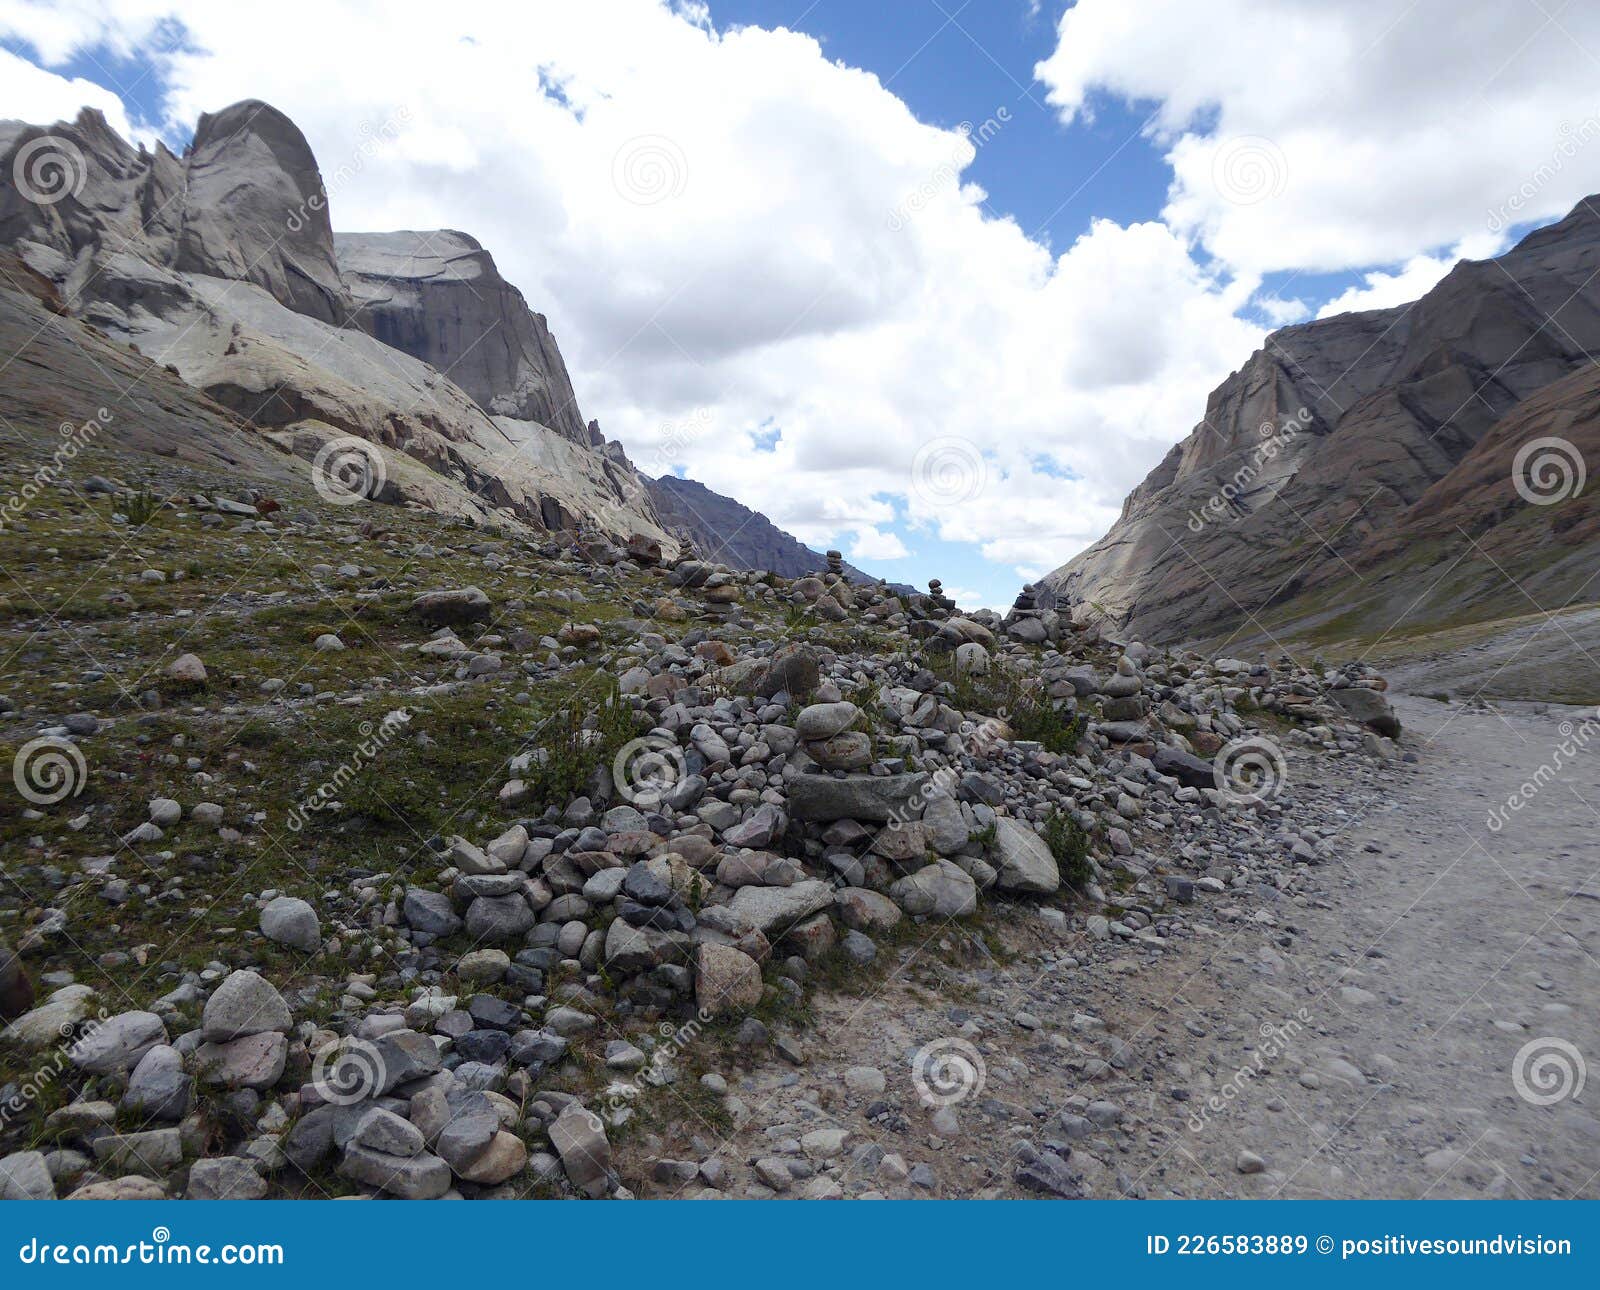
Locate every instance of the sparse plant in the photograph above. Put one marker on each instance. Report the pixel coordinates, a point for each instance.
(1069, 844)
(141, 507)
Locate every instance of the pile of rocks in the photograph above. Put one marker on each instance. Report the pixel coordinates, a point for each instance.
(805, 798)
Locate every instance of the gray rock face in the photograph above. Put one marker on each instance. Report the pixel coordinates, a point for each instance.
(1366, 412)
(878, 798)
(244, 203)
(439, 297)
(222, 263)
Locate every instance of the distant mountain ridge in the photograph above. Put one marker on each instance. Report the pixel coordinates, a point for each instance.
(725, 530)
(1360, 442)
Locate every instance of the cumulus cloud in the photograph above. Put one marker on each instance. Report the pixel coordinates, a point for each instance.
(731, 232)
(740, 241)
(1314, 136)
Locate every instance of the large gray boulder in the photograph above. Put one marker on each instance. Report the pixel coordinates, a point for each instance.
(246, 1003)
(1185, 767)
(1369, 707)
(774, 909)
(290, 921)
(878, 798)
(117, 1044)
(1022, 859)
(938, 890)
(580, 1140)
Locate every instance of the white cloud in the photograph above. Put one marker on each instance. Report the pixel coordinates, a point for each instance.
(721, 226)
(30, 93)
(1316, 136)
(875, 544)
(722, 230)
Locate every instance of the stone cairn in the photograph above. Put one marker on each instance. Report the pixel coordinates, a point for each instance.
(938, 599)
(1026, 605)
(836, 564)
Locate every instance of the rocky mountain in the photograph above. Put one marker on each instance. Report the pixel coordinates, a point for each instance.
(439, 297)
(731, 533)
(1334, 480)
(222, 264)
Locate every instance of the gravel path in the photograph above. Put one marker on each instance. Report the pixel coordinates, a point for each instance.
(1353, 1031)
(1440, 948)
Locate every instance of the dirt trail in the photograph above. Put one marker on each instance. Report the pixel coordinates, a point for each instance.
(1438, 949)
(1376, 1005)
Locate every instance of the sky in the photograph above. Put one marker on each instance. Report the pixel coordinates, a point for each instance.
(933, 282)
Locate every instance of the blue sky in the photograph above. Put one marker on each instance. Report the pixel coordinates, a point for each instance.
(1062, 333)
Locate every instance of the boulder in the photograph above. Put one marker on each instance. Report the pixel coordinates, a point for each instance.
(117, 1044)
(773, 909)
(16, 989)
(290, 921)
(938, 890)
(225, 1178)
(580, 1140)
(452, 608)
(1370, 708)
(419, 1177)
(726, 980)
(1185, 767)
(879, 798)
(246, 1003)
(1023, 860)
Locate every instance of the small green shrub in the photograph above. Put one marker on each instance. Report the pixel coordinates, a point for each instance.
(1069, 844)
